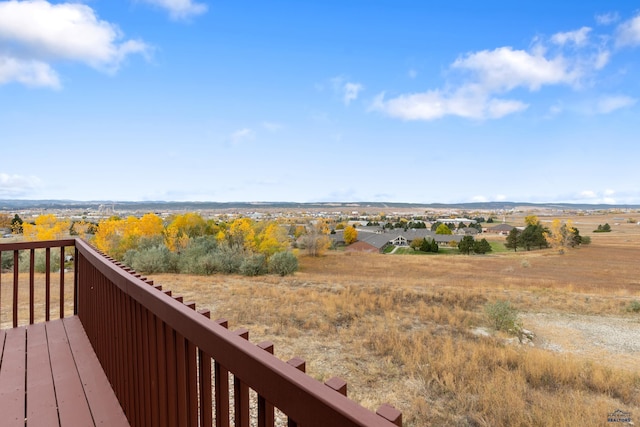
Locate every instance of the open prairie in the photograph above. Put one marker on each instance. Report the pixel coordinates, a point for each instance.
(412, 330)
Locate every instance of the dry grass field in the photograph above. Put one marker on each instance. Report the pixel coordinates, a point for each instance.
(399, 328)
(403, 329)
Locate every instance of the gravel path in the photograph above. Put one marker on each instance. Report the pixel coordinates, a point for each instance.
(603, 338)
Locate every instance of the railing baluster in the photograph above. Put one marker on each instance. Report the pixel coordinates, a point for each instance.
(62, 282)
(32, 263)
(16, 278)
(163, 406)
(337, 384)
(221, 388)
(153, 367)
(266, 417)
(390, 413)
(0, 287)
(192, 378)
(75, 281)
(47, 284)
(146, 365)
(206, 398)
(300, 365)
(241, 392)
(172, 382)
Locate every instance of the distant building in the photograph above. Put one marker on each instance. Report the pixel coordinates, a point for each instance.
(501, 229)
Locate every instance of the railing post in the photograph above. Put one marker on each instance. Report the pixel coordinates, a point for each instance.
(75, 280)
(16, 277)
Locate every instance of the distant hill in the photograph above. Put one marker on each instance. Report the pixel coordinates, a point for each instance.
(8, 205)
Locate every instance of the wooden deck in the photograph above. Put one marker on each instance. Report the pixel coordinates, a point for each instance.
(50, 376)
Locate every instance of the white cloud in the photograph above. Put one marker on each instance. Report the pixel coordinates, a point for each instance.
(609, 104)
(30, 73)
(465, 102)
(607, 18)
(501, 197)
(33, 34)
(578, 37)
(590, 196)
(17, 185)
(179, 9)
(349, 91)
(505, 69)
(484, 77)
(628, 33)
(241, 135)
(479, 199)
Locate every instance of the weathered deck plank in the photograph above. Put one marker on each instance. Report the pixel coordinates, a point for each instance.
(102, 401)
(72, 404)
(50, 376)
(41, 398)
(12, 378)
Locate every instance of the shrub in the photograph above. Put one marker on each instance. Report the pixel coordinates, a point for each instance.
(197, 257)
(228, 259)
(7, 261)
(283, 263)
(503, 317)
(254, 265)
(481, 246)
(157, 259)
(40, 263)
(634, 306)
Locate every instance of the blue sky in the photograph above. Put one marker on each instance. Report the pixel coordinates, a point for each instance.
(310, 101)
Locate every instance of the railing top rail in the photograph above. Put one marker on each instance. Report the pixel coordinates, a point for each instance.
(267, 375)
(36, 244)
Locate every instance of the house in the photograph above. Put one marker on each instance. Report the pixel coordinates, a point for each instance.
(501, 229)
(375, 237)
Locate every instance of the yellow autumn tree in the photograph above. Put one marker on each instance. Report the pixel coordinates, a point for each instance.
(108, 236)
(350, 235)
(561, 235)
(46, 227)
(531, 220)
(81, 228)
(241, 232)
(182, 228)
(5, 220)
(116, 236)
(273, 238)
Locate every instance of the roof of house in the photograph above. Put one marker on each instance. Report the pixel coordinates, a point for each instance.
(501, 227)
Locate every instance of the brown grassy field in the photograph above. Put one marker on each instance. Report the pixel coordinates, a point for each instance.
(399, 328)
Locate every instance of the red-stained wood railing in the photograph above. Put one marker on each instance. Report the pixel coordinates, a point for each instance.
(14, 250)
(170, 365)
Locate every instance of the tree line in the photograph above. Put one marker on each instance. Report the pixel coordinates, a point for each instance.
(559, 235)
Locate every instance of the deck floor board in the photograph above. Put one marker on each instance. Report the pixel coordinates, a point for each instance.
(50, 376)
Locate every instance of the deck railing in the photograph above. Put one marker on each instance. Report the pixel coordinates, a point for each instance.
(170, 365)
